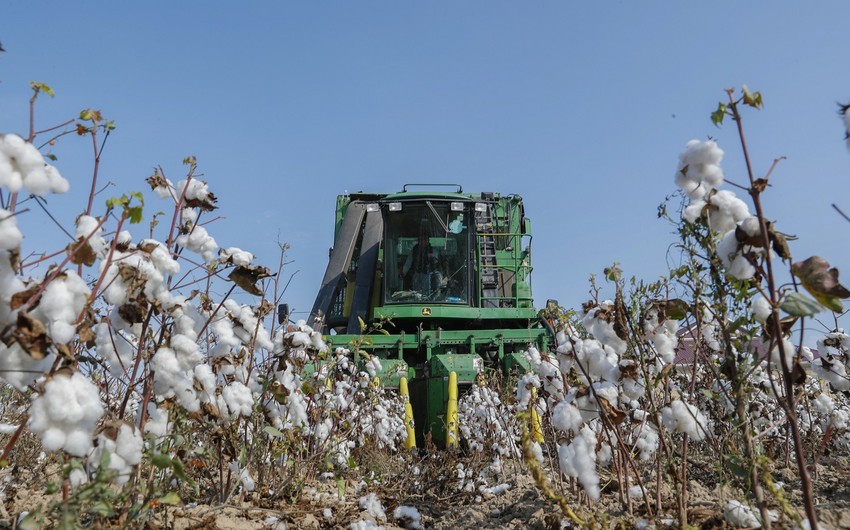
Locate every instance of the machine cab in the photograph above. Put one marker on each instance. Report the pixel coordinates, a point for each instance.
(426, 252)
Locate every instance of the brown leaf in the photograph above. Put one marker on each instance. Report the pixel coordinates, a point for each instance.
(133, 312)
(779, 242)
(821, 281)
(87, 336)
(65, 351)
(247, 278)
(22, 297)
(157, 181)
(31, 335)
(81, 253)
(614, 414)
(206, 205)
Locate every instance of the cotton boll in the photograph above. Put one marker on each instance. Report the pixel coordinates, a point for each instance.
(115, 347)
(20, 369)
(647, 441)
(832, 371)
(64, 416)
(600, 322)
(89, 227)
(736, 264)
(239, 399)
(373, 366)
(235, 256)
(740, 515)
(199, 241)
(686, 418)
(524, 389)
(788, 349)
(726, 211)
(761, 308)
(10, 235)
(61, 302)
(125, 451)
(371, 504)
(172, 380)
(409, 516)
(698, 171)
(21, 165)
(578, 459)
(157, 424)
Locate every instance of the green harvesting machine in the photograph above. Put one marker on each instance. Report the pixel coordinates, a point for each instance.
(436, 283)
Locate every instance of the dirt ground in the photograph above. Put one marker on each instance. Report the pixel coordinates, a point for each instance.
(520, 507)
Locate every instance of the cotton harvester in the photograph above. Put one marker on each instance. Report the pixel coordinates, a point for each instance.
(444, 276)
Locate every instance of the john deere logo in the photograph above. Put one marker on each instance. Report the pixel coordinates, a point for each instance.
(426, 311)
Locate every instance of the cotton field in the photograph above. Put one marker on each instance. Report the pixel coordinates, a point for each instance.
(147, 383)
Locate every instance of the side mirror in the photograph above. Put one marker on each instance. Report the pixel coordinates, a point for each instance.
(283, 314)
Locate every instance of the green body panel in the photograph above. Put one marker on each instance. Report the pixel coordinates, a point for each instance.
(429, 393)
(434, 313)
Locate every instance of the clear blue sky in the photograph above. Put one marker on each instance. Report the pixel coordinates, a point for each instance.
(580, 107)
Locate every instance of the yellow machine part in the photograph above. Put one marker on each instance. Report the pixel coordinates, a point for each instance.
(451, 413)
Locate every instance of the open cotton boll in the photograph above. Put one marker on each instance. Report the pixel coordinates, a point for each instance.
(409, 517)
(578, 460)
(115, 347)
(10, 235)
(524, 389)
(663, 336)
(726, 211)
(723, 209)
(598, 360)
(599, 321)
(64, 416)
(20, 369)
(647, 441)
(125, 452)
(371, 504)
(61, 302)
(157, 424)
(731, 254)
(199, 241)
(698, 171)
(761, 308)
(172, 379)
(239, 399)
(686, 418)
(89, 227)
(235, 256)
(833, 371)
(788, 349)
(21, 165)
(739, 514)
(373, 366)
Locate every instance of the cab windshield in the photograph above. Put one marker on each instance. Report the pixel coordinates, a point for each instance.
(426, 253)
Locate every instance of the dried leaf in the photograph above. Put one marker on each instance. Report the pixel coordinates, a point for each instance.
(81, 253)
(133, 312)
(821, 281)
(206, 205)
(31, 335)
(22, 297)
(65, 351)
(614, 414)
(247, 278)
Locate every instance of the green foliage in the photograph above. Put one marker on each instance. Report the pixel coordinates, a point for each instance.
(38, 87)
(131, 211)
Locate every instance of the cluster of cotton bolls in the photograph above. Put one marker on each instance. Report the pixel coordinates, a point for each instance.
(22, 166)
(486, 423)
(334, 407)
(699, 175)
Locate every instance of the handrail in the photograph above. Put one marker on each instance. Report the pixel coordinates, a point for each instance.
(459, 188)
